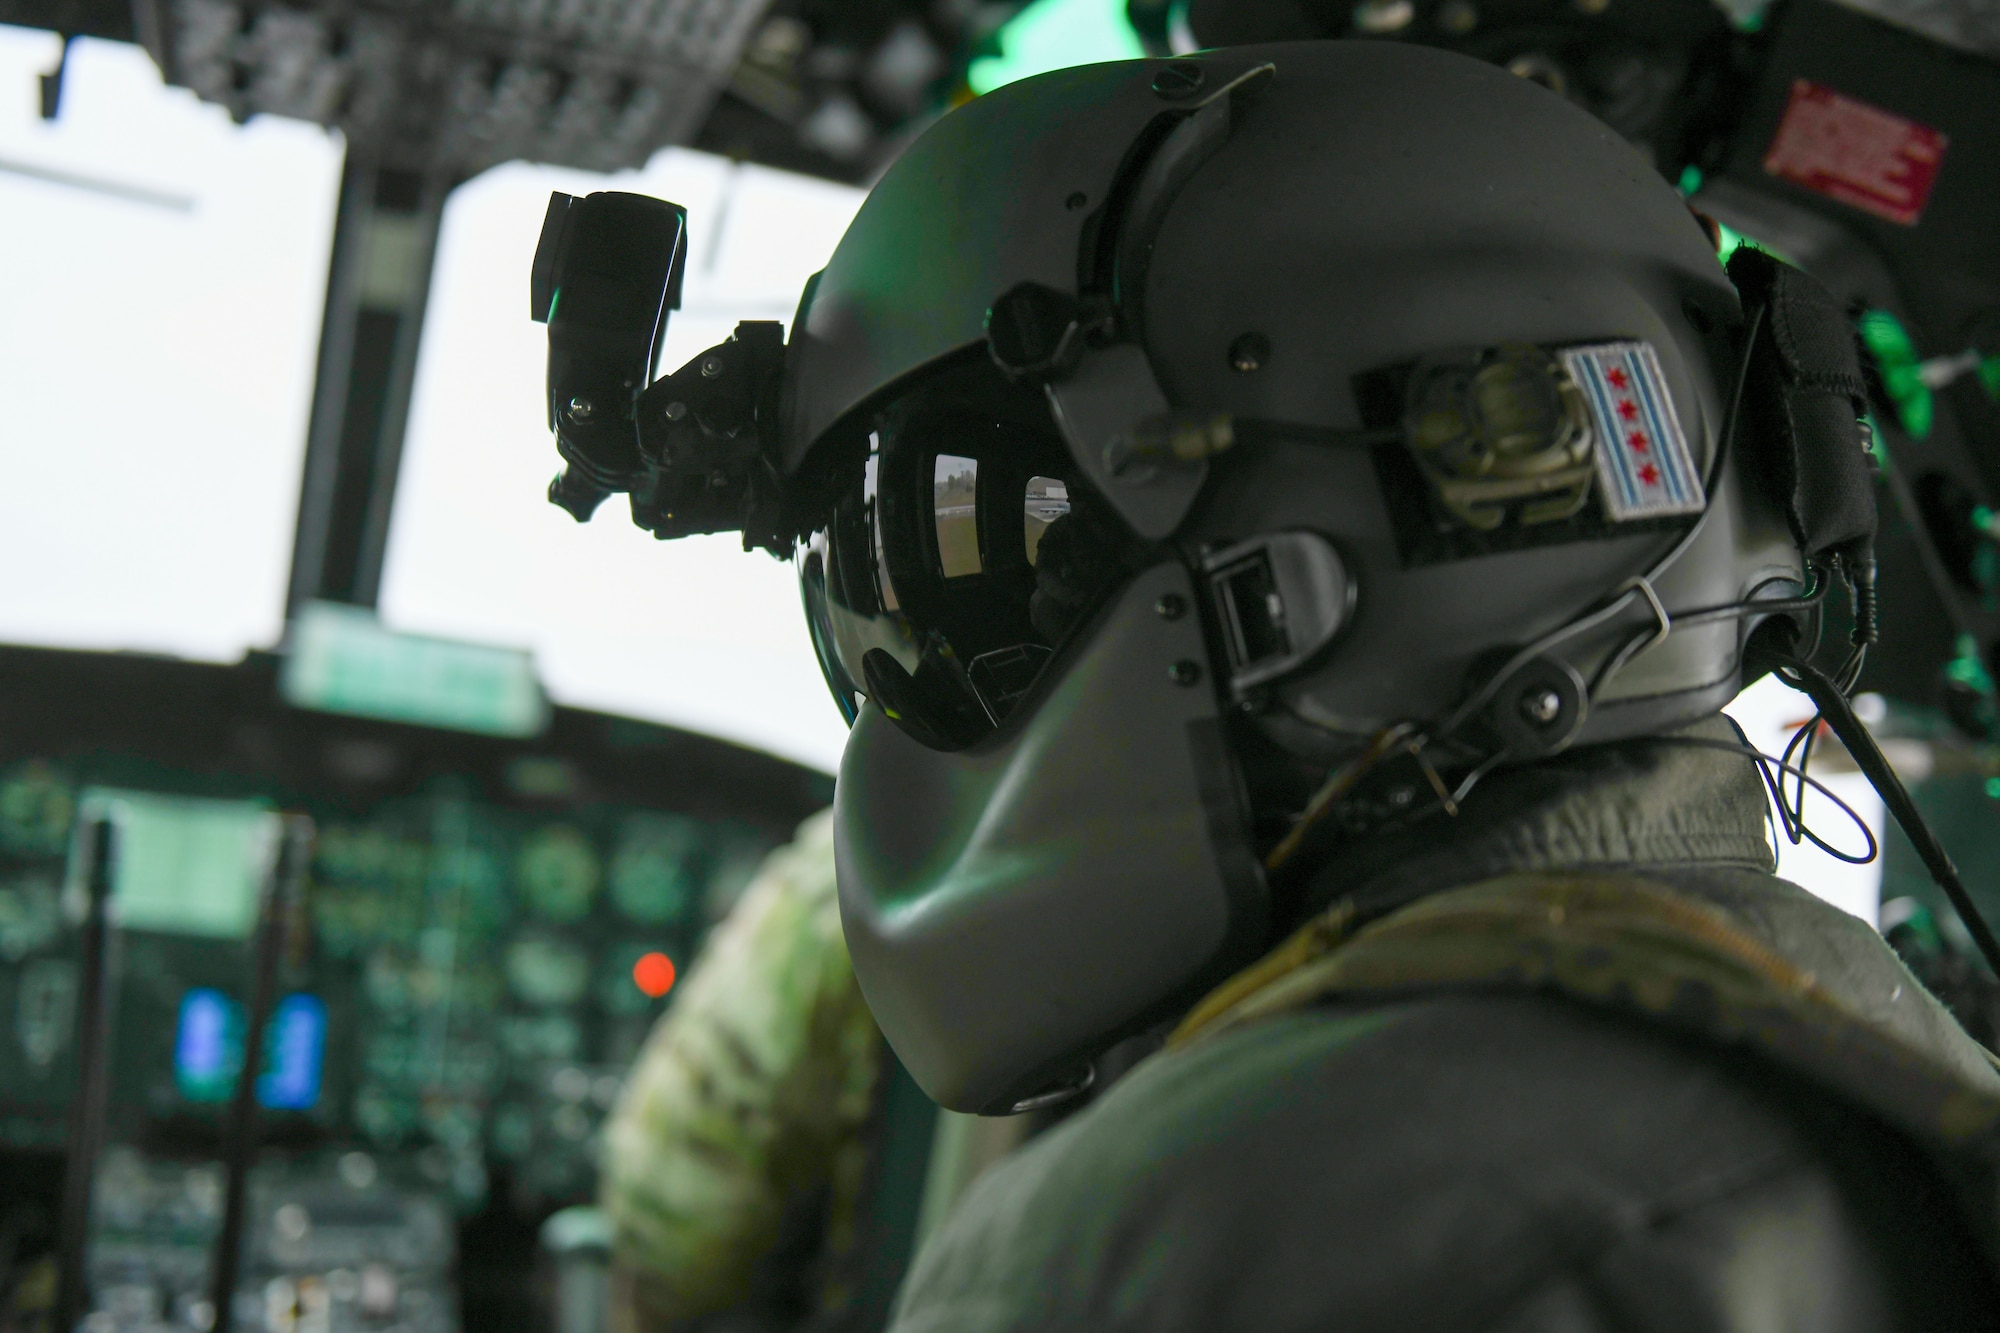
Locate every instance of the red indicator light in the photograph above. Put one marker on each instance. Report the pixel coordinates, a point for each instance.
(654, 974)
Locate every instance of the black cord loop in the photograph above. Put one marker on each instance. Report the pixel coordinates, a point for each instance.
(1832, 700)
(1765, 763)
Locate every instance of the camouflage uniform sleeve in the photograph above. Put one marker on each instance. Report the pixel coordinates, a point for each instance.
(750, 1093)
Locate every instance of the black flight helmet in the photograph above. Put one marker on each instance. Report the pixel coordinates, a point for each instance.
(1167, 447)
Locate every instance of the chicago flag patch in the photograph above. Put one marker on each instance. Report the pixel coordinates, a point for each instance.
(1644, 469)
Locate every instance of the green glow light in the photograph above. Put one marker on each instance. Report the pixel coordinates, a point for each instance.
(341, 659)
(1745, 15)
(185, 865)
(1967, 669)
(1993, 788)
(1896, 358)
(1690, 181)
(1056, 34)
(1986, 521)
(1731, 238)
(1878, 452)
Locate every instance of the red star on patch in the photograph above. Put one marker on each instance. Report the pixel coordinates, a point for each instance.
(1616, 378)
(1637, 439)
(1649, 474)
(1628, 409)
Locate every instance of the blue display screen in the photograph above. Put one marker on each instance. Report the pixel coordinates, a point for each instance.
(208, 1050)
(292, 1053)
(208, 1046)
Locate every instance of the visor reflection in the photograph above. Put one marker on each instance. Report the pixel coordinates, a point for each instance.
(925, 597)
(1047, 500)
(955, 511)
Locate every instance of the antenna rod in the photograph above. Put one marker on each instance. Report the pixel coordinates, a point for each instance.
(239, 1141)
(86, 1110)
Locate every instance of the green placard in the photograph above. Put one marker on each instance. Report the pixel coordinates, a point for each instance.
(192, 867)
(341, 659)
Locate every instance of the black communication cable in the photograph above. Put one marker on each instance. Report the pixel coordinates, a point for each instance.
(1839, 714)
(1812, 600)
(1792, 813)
(1765, 762)
(1858, 567)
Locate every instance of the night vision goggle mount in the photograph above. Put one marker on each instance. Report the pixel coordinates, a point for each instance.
(694, 449)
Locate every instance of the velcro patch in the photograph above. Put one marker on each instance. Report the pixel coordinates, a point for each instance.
(1644, 469)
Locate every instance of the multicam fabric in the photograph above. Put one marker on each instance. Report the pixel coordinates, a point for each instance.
(1555, 1100)
(744, 1111)
(1621, 941)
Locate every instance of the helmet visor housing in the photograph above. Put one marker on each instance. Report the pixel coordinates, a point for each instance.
(962, 549)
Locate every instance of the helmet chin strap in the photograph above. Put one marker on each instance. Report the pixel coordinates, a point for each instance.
(1339, 783)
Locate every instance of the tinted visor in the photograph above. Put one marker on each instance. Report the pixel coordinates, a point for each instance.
(955, 560)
